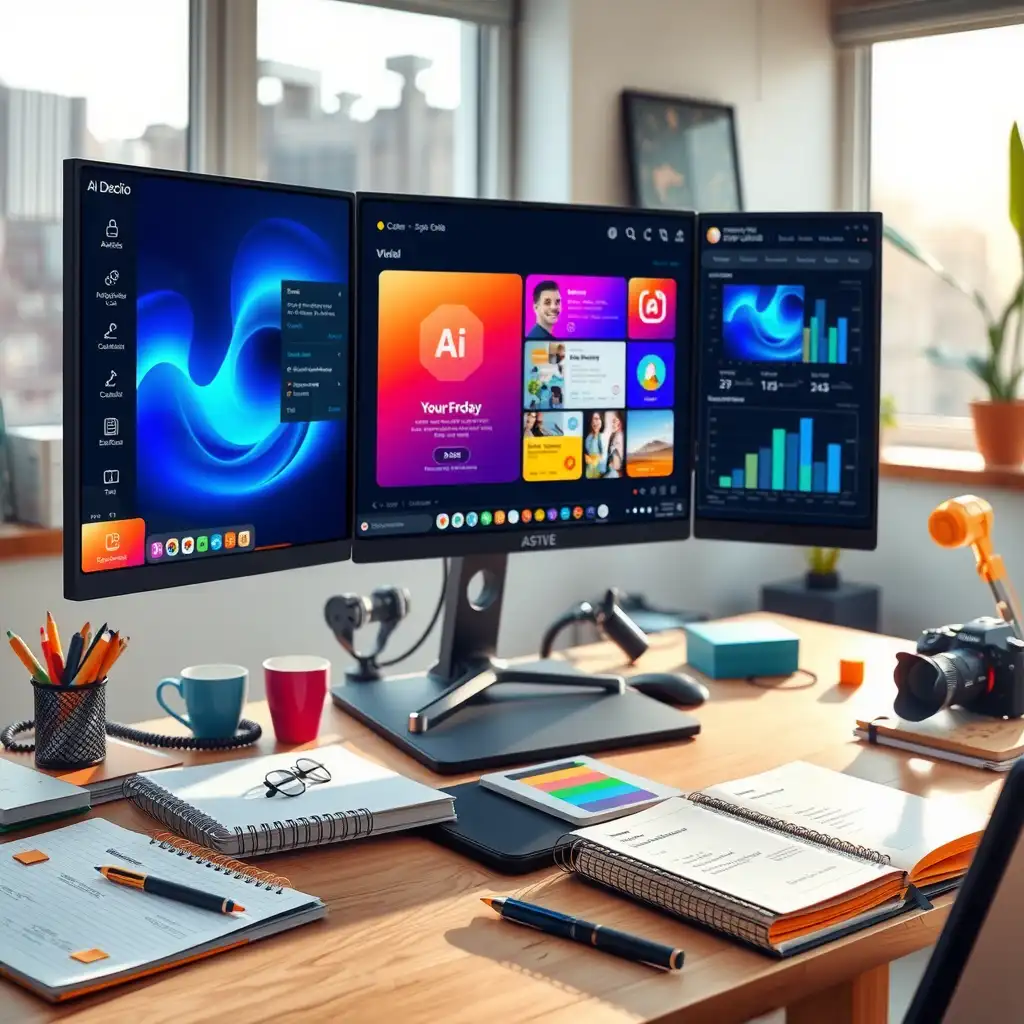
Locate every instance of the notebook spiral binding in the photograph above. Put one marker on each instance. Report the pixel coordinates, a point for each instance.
(227, 865)
(781, 827)
(285, 834)
(664, 891)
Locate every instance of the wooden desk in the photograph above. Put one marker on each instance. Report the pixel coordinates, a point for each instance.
(407, 939)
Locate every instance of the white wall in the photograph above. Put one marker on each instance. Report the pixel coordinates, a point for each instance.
(576, 56)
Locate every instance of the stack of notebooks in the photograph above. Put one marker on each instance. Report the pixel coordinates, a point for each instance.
(68, 931)
(784, 860)
(28, 797)
(225, 806)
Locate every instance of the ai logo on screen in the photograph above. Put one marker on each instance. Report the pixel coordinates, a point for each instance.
(451, 343)
(653, 306)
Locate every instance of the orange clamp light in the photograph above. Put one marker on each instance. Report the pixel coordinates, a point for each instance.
(851, 672)
(967, 522)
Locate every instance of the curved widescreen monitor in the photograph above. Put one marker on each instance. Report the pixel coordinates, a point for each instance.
(787, 386)
(208, 368)
(524, 375)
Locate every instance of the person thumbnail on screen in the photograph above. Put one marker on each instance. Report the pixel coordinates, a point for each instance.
(544, 376)
(547, 308)
(604, 445)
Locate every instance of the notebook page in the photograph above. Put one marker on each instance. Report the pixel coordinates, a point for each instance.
(772, 871)
(233, 793)
(52, 909)
(23, 787)
(904, 827)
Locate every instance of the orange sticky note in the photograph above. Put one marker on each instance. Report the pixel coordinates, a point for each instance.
(28, 857)
(851, 673)
(89, 956)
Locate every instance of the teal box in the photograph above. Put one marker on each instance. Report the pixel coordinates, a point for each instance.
(738, 650)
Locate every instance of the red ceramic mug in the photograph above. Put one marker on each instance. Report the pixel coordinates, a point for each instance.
(296, 689)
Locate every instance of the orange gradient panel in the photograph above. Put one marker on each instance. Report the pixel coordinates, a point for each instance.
(116, 544)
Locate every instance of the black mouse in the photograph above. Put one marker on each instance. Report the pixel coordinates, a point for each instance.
(670, 688)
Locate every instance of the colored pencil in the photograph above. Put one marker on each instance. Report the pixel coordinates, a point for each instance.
(92, 661)
(113, 650)
(111, 662)
(49, 659)
(92, 642)
(74, 658)
(84, 631)
(53, 636)
(27, 658)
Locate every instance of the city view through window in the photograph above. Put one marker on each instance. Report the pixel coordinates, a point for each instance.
(349, 97)
(941, 112)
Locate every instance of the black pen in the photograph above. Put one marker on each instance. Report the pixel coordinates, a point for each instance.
(170, 890)
(629, 947)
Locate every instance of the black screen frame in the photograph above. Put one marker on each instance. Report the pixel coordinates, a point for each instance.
(796, 534)
(966, 919)
(365, 551)
(82, 586)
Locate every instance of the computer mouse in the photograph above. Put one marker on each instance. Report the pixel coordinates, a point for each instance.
(670, 688)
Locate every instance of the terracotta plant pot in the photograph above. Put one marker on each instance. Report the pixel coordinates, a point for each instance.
(999, 433)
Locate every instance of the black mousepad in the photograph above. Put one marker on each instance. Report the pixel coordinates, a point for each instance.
(500, 833)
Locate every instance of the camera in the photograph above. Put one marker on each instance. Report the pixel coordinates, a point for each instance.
(978, 665)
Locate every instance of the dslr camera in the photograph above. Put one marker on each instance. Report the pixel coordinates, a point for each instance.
(978, 665)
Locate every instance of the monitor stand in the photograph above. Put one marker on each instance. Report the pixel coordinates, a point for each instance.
(472, 711)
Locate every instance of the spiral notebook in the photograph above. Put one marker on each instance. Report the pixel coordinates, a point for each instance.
(67, 931)
(784, 860)
(225, 806)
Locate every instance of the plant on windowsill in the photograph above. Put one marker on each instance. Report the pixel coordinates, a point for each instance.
(886, 418)
(822, 573)
(999, 419)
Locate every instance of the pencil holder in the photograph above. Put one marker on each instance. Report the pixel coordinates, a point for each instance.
(70, 725)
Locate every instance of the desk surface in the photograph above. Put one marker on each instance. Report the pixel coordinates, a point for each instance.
(408, 940)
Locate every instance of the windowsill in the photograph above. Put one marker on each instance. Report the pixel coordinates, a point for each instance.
(946, 466)
(18, 541)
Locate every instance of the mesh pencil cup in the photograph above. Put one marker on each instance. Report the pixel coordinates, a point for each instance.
(70, 725)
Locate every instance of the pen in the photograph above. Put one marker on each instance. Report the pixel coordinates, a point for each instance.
(74, 654)
(170, 890)
(27, 658)
(629, 947)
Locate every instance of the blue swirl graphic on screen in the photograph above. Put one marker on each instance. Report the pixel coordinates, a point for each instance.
(209, 407)
(763, 323)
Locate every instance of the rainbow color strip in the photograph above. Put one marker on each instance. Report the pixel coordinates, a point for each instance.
(580, 785)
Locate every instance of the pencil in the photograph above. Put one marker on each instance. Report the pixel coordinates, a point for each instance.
(92, 642)
(111, 662)
(53, 636)
(84, 631)
(48, 659)
(27, 658)
(113, 650)
(92, 661)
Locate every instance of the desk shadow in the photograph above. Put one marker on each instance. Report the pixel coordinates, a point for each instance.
(836, 694)
(553, 961)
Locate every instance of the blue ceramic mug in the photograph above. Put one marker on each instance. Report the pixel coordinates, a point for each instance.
(214, 697)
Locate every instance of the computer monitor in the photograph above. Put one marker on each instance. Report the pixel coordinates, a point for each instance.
(208, 371)
(971, 976)
(524, 376)
(787, 388)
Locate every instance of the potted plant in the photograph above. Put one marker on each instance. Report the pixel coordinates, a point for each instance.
(886, 418)
(999, 416)
(821, 568)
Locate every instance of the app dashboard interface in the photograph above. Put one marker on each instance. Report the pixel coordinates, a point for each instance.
(521, 365)
(787, 360)
(214, 368)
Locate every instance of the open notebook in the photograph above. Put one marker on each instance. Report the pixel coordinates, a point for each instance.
(225, 805)
(68, 931)
(783, 860)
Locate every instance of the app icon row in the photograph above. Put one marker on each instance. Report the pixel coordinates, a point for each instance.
(526, 516)
(202, 544)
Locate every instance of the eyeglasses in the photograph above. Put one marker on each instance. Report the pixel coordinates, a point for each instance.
(293, 781)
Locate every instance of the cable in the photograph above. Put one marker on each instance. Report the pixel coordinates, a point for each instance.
(430, 625)
(784, 682)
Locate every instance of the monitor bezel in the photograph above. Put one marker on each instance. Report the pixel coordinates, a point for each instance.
(366, 551)
(82, 586)
(798, 534)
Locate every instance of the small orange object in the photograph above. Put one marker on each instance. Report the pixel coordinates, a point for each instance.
(29, 857)
(89, 956)
(851, 673)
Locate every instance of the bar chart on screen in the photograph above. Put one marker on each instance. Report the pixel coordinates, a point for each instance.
(782, 454)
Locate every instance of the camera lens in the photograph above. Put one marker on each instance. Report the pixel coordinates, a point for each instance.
(926, 684)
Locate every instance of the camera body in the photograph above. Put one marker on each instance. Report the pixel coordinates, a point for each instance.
(990, 658)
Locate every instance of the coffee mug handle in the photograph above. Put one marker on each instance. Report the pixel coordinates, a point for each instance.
(175, 684)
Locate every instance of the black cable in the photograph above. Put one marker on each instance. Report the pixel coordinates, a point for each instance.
(780, 682)
(430, 625)
(248, 733)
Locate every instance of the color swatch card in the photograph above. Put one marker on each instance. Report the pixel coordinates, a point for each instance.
(579, 789)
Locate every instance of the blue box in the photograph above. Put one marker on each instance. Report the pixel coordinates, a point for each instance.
(738, 650)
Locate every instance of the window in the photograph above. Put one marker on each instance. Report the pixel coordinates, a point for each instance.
(358, 97)
(941, 112)
(106, 80)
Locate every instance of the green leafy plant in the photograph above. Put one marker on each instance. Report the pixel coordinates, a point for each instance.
(823, 561)
(1001, 367)
(887, 412)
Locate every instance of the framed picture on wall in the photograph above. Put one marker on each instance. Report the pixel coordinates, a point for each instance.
(682, 153)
